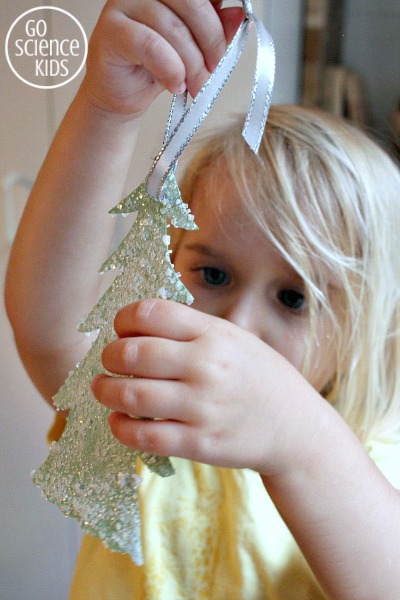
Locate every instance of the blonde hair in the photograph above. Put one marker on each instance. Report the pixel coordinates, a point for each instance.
(329, 200)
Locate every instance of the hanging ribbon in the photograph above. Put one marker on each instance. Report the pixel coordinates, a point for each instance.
(180, 131)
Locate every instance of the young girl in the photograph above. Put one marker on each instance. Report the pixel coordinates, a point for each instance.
(281, 383)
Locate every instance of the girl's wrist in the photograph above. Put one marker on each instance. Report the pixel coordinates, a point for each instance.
(107, 137)
(306, 433)
(320, 433)
(107, 116)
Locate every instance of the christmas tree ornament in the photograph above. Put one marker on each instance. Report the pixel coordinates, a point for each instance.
(88, 474)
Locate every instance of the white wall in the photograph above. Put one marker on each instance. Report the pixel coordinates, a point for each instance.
(371, 46)
(284, 19)
(37, 544)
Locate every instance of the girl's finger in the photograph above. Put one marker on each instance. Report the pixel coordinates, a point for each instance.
(231, 18)
(141, 46)
(161, 318)
(194, 29)
(151, 357)
(145, 397)
(164, 438)
(202, 20)
(211, 28)
(196, 53)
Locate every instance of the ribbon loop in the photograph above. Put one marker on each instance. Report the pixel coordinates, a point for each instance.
(263, 83)
(183, 122)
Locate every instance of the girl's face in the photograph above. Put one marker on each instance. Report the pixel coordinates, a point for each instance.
(235, 273)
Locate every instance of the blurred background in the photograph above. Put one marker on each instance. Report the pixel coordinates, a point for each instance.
(343, 55)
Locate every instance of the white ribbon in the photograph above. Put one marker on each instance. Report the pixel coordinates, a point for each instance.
(180, 131)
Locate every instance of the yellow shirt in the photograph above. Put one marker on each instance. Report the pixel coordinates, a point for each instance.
(208, 534)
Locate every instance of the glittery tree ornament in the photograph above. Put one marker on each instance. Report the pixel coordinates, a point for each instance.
(88, 473)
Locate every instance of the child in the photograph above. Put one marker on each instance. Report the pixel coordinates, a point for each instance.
(284, 375)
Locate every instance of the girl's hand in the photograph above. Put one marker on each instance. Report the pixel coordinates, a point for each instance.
(140, 47)
(226, 398)
(221, 395)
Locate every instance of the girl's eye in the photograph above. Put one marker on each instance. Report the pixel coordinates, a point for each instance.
(215, 276)
(291, 299)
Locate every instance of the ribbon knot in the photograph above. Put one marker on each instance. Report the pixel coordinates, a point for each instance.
(247, 8)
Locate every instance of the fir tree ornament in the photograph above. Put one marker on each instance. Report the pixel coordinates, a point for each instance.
(88, 474)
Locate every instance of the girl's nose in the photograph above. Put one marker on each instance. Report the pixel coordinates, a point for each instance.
(244, 312)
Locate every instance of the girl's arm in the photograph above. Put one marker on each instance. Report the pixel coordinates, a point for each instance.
(135, 52)
(342, 511)
(63, 238)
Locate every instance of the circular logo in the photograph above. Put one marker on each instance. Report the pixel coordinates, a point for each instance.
(46, 47)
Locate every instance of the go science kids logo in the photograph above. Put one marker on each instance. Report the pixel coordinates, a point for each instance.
(46, 47)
